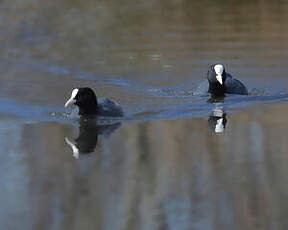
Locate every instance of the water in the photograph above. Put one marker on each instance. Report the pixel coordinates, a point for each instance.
(175, 161)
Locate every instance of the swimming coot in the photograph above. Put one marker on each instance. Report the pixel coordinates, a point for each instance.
(89, 105)
(221, 82)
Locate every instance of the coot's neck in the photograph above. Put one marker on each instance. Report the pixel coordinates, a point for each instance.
(90, 109)
(216, 90)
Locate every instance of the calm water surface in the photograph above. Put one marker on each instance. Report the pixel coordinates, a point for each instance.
(174, 161)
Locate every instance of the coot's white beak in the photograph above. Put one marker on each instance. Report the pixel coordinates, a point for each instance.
(219, 78)
(72, 99)
(219, 71)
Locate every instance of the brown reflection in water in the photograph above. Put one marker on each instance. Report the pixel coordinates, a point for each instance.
(157, 175)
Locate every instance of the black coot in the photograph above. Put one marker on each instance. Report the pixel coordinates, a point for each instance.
(89, 105)
(221, 82)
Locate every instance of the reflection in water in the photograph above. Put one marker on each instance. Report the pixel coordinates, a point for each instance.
(213, 99)
(168, 174)
(217, 120)
(88, 136)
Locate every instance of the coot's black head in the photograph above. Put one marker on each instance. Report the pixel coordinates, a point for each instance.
(216, 77)
(85, 99)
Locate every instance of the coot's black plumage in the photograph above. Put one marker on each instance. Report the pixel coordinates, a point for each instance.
(89, 105)
(221, 82)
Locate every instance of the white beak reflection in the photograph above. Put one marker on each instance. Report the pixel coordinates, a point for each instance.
(217, 120)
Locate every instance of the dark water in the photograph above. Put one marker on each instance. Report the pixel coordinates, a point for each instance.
(174, 161)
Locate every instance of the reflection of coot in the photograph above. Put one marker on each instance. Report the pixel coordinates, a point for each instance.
(217, 120)
(88, 136)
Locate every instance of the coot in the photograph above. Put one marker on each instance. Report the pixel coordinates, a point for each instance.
(89, 105)
(221, 82)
